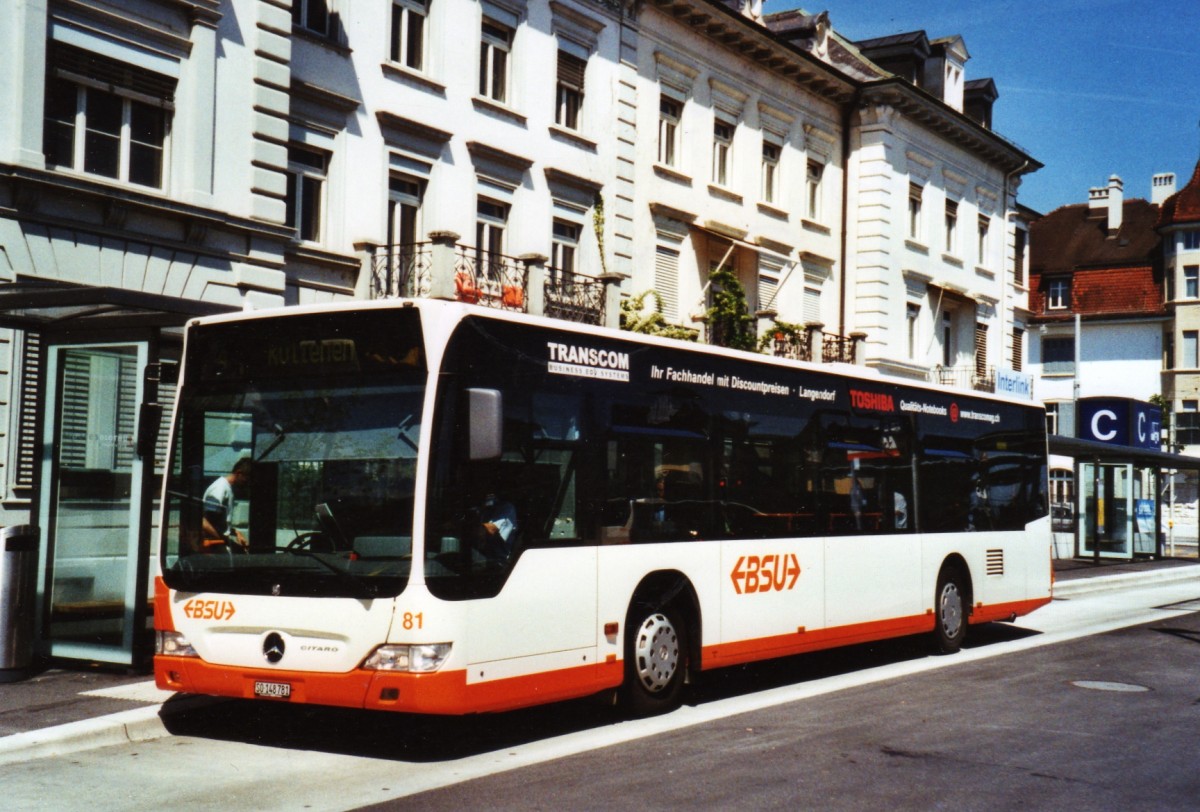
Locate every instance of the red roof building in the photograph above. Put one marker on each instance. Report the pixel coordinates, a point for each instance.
(1178, 226)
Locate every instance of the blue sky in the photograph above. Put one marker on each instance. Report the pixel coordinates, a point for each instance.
(1090, 88)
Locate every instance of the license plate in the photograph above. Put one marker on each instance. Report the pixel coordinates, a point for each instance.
(273, 690)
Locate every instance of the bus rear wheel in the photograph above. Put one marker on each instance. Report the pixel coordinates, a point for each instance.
(950, 610)
(655, 659)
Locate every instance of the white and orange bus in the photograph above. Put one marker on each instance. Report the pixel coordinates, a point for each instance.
(445, 509)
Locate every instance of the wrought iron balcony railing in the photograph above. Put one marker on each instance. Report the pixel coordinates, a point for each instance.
(981, 379)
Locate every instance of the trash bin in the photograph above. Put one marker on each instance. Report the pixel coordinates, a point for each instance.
(18, 592)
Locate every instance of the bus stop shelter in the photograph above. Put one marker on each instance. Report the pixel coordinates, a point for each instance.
(90, 438)
(1119, 497)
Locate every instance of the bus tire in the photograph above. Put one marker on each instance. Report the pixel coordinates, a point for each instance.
(950, 610)
(656, 657)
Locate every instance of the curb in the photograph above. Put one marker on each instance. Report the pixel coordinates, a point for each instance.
(1125, 580)
(136, 725)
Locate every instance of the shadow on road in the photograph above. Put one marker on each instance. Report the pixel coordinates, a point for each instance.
(437, 738)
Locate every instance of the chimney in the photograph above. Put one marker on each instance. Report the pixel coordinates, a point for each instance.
(1162, 186)
(1116, 204)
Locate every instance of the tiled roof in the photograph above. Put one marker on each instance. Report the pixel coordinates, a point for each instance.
(1076, 236)
(1110, 276)
(1184, 205)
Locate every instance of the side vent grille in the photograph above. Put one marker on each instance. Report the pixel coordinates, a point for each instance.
(995, 562)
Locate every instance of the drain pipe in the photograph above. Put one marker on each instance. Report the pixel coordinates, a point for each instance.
(851, 107)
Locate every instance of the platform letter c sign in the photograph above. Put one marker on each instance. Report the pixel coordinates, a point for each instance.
(1099, 433)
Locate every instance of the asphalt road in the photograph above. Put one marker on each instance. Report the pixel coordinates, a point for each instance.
(1073, 708)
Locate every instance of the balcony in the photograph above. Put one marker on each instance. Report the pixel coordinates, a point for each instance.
(444, 269)
(981, 379)
(815, 344)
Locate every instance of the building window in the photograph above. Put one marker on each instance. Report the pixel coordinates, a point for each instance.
(951, 225)
(1052, 418)
(1190, 240)
(948, 354)
(813, 189)
(1187, 423)
(981, 350)
(491, 220)
(1190, 350)
(1019, 257)
(1058, 356)
(914, 211)
(769, 272)
(913, 318)
(1191, 281)
(570, 90)
(306, 176)
(114, 124)
(984, 225)
(669, 113)
(408, 33)
(312, 15)
(770, 170)
(666, 280)
(722, 146)
(1058, 294)
(563, 249)
(495, 47)
(1018, 348)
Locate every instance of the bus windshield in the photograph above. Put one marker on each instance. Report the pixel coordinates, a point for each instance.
(297, 485)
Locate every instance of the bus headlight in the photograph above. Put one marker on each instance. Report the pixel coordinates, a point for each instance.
(173, 644)
(418, 659)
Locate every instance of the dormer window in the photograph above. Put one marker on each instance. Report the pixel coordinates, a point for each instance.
(1058, 294)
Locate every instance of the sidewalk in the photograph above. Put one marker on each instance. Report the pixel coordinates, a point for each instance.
(65, 710)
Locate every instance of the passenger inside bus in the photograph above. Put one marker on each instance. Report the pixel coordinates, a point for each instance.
(497, 528)
(220, 499)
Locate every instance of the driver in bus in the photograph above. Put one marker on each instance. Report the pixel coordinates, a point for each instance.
(497, 528)
(220, 498)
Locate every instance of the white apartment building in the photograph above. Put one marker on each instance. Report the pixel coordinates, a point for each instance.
(170, 158)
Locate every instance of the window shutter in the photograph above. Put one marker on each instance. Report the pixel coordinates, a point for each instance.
(666, 280)
(1018, 348)
(570, 70)
(812, 305)
(95, 70)
(27, 412)
(980, 350)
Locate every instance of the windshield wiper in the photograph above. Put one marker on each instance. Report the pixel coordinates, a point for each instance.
(280, 436)
(369, 589)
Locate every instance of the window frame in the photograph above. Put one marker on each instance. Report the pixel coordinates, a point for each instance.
(1063, 360)
(916, 192)
(1058, 293)
(569, 93)
(128, 146)
(495, 60)
(401, 45)
(723, 133)
(303, 176)
(306, 15)
(814, 175)
(1191, 281)
(769, 190)
(951, 223)
(670, 116)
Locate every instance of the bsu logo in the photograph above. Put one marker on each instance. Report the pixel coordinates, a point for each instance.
(753, 573)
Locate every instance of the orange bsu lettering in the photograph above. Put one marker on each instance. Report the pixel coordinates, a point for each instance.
(766, 573)
(209, 610)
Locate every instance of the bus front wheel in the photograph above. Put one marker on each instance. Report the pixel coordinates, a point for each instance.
(655, 658)
(950, 610)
